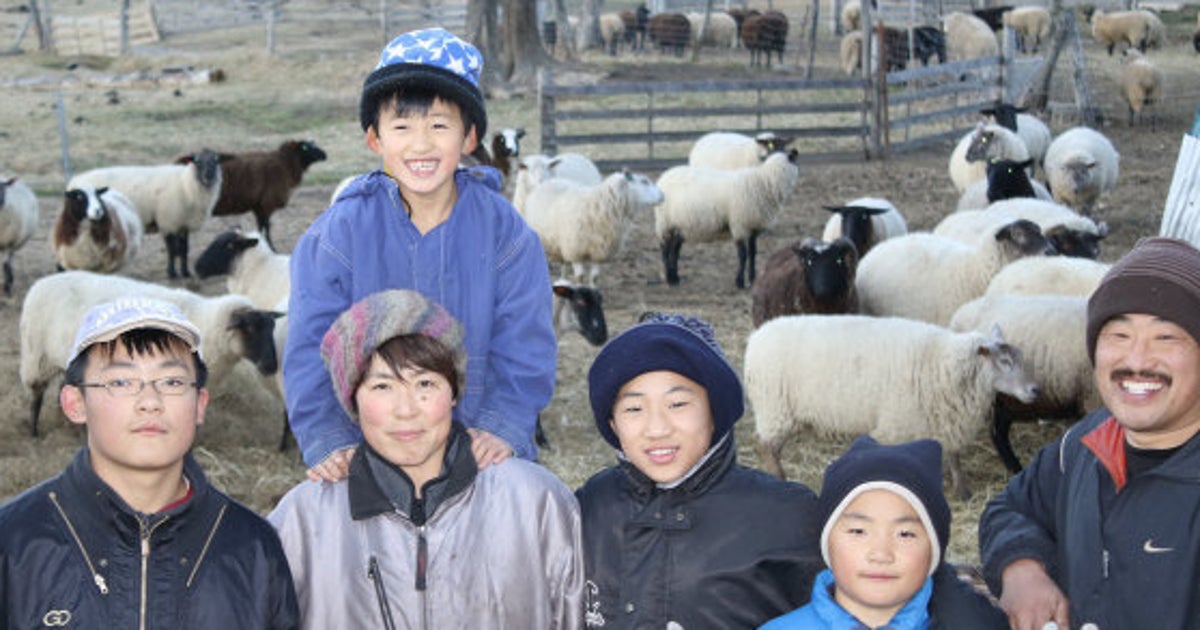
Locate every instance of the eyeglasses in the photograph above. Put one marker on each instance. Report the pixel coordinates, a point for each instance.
(129, 387)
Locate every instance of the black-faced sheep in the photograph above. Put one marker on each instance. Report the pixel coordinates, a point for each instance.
(968, 160)
(669, 31)
(992, 16)
(97, 230)
(1081, 165)
(1067, 232)
(587, 225)
(763, 34)
(727, 150)
(925, 381)
(18, 220)
(1031, 130)
(927, 42)
(1139, 29)
(1141, 83)
(927, 277)
(174, 199)
(866, 221)
(1006, 179)
(1049, 330)
(579, 308)
(262, 181)
(808, 276)
(707, 204)
(254, 269)
(231, 328)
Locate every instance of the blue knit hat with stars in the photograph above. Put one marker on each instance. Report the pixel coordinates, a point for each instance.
(434, 59)
(673, 343)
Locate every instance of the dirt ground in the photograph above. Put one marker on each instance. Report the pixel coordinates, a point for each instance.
(237, 443)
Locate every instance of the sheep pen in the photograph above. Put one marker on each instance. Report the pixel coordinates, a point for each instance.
(238, 441)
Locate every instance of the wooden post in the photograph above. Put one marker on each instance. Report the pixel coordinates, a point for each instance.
(63, 139)
(272, 17)
(41, 24)
(1083, 90)
(546, 107)
(812, 37)
(123, 25)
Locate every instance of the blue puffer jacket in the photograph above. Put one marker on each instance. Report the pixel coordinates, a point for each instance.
(74, 555)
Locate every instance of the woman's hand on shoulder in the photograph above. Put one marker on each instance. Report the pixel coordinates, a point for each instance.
(335, 467)
(488, 448)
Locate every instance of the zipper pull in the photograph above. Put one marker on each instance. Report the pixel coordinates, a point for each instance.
(100, 583)
(1105, 556)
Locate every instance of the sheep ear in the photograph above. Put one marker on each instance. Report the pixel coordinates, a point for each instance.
(520, 132)
(836, 209)
(563, 290)
(1102, 229)
(1026, 164)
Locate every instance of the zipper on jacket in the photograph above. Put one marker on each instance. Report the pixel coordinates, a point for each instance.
(144, 534)
(207, 543)
(1105, 559)
(422, 558)
(385, 610)
(98, 579)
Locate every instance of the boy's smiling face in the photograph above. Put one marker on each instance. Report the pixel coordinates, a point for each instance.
(664, 424)
(879, 553)
(422, 149)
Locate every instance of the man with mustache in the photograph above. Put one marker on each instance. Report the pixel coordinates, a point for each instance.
(1101, 530)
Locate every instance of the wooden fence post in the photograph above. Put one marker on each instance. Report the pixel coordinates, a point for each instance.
(546, 107)
(123, 26)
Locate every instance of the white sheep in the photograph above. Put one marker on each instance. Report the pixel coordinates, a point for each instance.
(850, 52)
(1068, 232)
(706, 204)
(173, 199)
(924, 381)
(1048, 275)
(1049, 330)
(722, 29)
(18, 220)
(231, 328)
(1031, 24)
(851, 17)
(1081, 165)
(968, 160)
(97, 230)
(727, 150)
(587, 224)
(866, 221)
(534, 169)
(927, 277)
(1030, 129)
(254, 269)
(1139, 29)
(1141, 83)
(612, 31)
(968, 37)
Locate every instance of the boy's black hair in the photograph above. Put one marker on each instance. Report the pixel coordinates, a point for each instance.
(403, 101)
(139, 341)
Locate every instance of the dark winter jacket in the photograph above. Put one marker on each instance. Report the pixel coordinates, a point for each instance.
(1124, 552)
(74, 555)
(730, 547)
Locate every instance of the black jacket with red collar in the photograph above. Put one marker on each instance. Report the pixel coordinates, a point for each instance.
(1126, 552)
(74, 555)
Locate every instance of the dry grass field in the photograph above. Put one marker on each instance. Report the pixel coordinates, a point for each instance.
(127, 111)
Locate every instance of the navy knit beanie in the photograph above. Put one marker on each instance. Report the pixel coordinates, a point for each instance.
(433, 59)
(674, 343)
(912, 470)
(1159, 276)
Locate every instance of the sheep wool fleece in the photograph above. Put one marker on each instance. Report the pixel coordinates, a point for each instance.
(483, 264)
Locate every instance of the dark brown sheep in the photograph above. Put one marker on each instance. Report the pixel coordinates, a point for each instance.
(764, 34)
(670, 31)
(262, 181)
(808, 276)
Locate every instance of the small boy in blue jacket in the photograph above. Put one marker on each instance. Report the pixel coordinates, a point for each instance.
(887, 524)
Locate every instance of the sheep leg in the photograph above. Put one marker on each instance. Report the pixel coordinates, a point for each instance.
(956, 478)
(264, 227)
(8, 275)
(287, 432)
(670, 247)
(169, 239)
(35, 407)
(182, 244)
(752, 256)
(1000, 429)
(768, 457)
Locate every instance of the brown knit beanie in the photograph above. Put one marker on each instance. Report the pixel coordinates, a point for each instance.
(1159, 276)
(369, 323)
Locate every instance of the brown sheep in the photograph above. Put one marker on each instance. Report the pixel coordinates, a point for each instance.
(764, 34)
(807, 277)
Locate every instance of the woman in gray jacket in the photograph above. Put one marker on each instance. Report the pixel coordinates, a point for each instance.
(417, 536)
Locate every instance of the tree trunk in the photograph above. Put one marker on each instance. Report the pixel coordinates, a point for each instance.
(481, 31)
(704, 26)
(523, 54)
(589, 24)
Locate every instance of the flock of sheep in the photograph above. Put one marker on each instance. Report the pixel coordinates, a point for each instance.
(975, 324)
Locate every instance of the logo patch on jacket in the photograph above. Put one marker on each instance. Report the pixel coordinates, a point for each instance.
(56, 618)
(592, 615)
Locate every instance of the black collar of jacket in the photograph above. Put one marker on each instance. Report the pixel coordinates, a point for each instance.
(377, 486)
(720, 460)
(95, 509)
